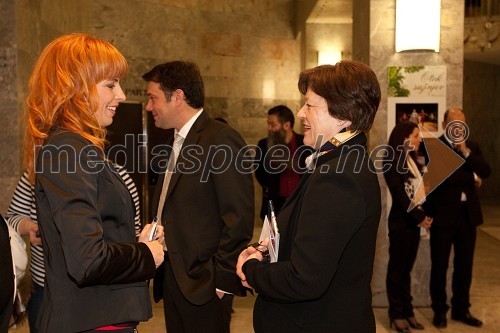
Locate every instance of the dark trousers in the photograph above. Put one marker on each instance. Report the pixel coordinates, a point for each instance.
(6, 313)
(34, 305)
(463, 238)
(181, 316)
(403, 250)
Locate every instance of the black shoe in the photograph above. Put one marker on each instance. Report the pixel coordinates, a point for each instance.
(414, 323)
(439, 320)
(401, 325)
(468, 319)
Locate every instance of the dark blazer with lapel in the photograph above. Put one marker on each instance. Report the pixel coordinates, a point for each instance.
(270, 181)
(208, 212)
(446, 198)
(96, 272)
(328, 226)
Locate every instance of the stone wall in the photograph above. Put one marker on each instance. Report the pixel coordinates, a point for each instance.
(247, 51)
(324, 36)
(9, 135)
(26, 27)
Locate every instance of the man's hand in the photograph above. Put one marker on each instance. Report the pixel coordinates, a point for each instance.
(426, 223)
(462, 148)
(478, 181)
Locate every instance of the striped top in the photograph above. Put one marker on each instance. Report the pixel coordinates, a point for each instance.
(23, 206)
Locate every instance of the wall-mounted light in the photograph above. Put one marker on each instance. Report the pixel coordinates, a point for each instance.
(268, 89)
(329, 56)
(418, 25)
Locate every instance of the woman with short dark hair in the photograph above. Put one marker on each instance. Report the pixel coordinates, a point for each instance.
(328, 226)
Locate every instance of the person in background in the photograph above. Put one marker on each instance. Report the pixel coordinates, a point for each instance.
(457, 213)
(328, 226)
(280, 160)
(404, 180)
(6, 278)
(21, 216)
(22, 281)
(95, 270)
(208, 213)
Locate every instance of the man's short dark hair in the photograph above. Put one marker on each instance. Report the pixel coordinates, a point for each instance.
(181, 75)
(284, 114)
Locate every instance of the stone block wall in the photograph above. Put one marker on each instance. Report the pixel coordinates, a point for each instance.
(324, 36)
(247, 51)
(9, 134)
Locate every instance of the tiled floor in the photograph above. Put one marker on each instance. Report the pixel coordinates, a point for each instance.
(485, 293)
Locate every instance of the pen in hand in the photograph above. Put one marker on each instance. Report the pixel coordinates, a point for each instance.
(274, 224)
(153, 229)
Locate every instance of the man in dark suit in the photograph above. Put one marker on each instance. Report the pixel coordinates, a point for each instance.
(457, 212)
(205, 203)
(280, 159)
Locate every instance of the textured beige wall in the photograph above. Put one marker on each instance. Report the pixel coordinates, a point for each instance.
(324, 36)
(39, 22)
(382, 55)
(26, 27)
(247, 51)
(9, 134)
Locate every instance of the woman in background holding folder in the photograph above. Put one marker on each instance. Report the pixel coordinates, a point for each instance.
(403, 178)
(328, 226)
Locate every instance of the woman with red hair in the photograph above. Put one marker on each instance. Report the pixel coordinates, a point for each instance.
(95, 271)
